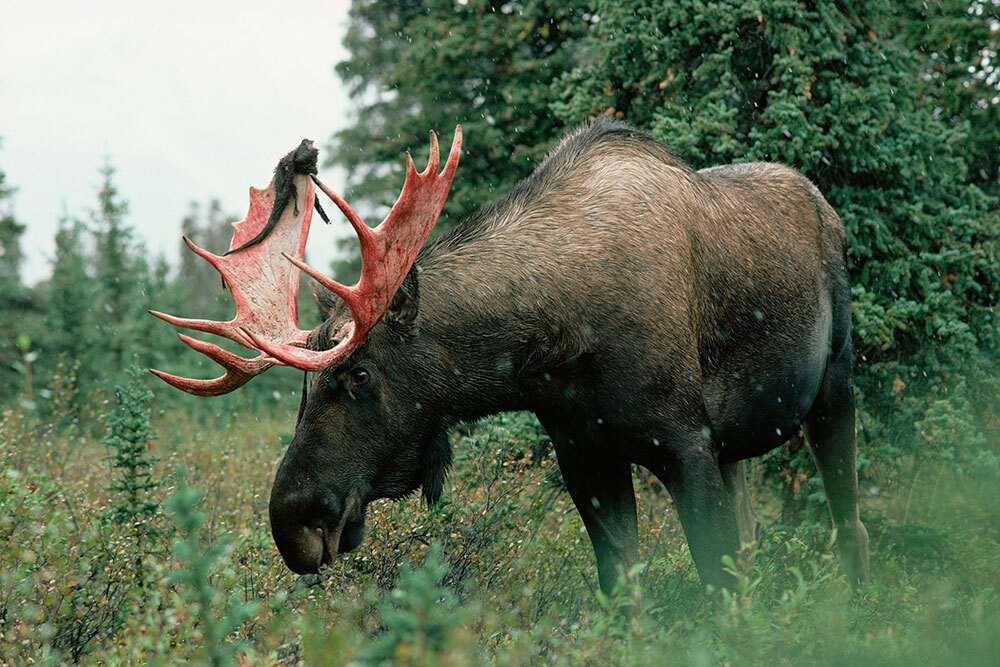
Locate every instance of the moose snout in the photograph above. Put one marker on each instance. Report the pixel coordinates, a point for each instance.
(310, 531)
(302, 548)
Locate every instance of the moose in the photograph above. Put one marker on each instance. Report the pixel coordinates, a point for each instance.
(647, 313)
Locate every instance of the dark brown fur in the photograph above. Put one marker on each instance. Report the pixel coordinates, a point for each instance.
(647, 313)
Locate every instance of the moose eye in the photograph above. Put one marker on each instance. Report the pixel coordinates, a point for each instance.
(359, 376)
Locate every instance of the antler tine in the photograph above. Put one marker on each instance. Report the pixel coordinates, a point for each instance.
(363, 231)
(312, 360)
(211, 258)
(224, 358)
(456, 151)
(221, 385)
(435, 156)
(223, 329)
(343, 291)
(239, 371)
(411, 169)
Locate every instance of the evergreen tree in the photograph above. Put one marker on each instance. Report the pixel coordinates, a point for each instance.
(71, 337)
(15, 298)
(126, 284)
(114, 243)
(149, 340)
(11, 255)
(417, 66)
(957, 43)
(128, 437)
(832, 90)
(114, 269)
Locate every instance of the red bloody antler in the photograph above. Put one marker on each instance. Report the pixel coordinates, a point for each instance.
(387, 253)
(265, 286)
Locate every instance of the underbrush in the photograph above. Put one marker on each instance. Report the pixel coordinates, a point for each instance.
(500, 571)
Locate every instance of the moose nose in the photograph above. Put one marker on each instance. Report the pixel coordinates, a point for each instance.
(298, 527)
(302, 549)
(310, 530)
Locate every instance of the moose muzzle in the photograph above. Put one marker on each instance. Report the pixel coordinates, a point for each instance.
(311, 529)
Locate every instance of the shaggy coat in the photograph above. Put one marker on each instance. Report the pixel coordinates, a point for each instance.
(647, 313)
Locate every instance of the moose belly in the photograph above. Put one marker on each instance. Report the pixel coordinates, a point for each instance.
(757, 408)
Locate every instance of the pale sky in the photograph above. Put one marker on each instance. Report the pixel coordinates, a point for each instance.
(190, 100)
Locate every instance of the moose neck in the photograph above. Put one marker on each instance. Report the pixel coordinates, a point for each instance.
(481, 317)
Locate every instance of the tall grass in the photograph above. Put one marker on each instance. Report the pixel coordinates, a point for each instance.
(500, 571)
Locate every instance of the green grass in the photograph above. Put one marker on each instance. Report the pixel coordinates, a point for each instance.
(499, 572)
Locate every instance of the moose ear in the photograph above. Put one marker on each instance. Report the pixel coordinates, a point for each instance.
(325, 300)
(403, 308)
(434, 466)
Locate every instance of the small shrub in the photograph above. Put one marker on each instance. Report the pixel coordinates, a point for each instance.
(193, 574)
(422, 620)
(129, 435)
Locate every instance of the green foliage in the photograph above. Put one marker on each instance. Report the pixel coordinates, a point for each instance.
(62, 572)
(958, 42)
(417, 66)
(129, 436)
(115, 264)
(16, 301)
(421, 618)
(523, 593)
(194, 575)
(11, 254)
(72, 336)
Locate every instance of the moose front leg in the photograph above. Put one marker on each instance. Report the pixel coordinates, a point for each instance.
(601, 488)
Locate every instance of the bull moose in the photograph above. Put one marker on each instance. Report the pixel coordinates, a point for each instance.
(647, 313)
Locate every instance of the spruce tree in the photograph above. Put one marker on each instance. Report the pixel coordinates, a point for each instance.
(956, 44)
(71, 338)
(129, 435)
(113, 268)
(126, 285)
(418, 66)
(11, 255)
(15, 298)
(832, 90)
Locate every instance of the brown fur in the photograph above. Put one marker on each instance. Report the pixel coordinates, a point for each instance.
(646, 312)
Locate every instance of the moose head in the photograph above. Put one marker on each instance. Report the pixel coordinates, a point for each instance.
(322, 486)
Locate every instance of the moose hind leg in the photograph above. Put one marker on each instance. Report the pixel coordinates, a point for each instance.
(705, 509)
(734, 476)
(829, 429)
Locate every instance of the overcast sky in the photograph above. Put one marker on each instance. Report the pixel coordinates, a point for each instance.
(189, 100)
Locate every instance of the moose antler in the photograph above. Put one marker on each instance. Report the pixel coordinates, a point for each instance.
(265, 287)
(387, 253)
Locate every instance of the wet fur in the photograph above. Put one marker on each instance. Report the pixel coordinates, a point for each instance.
(646, 312)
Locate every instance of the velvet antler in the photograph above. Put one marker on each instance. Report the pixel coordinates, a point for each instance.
(265, 286)
(387, 253)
